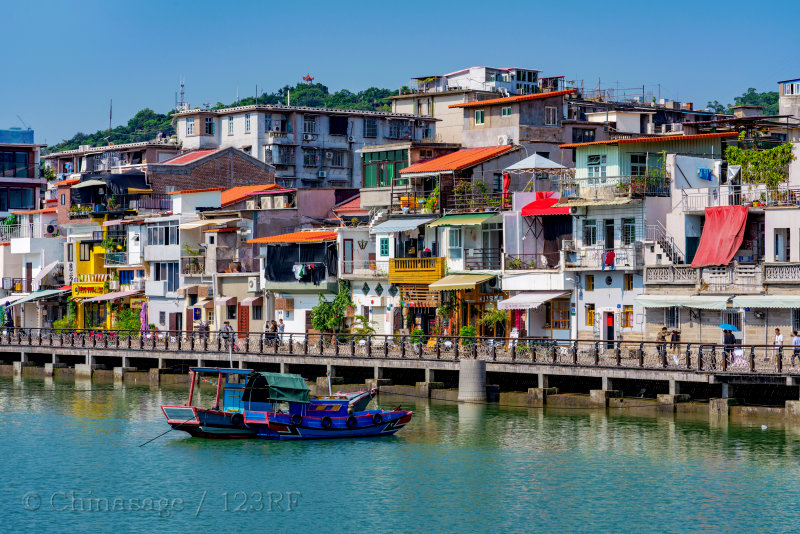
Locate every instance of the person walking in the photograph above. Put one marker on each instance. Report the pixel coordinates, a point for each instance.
(674, 339)
(777, 343)
(795, 346)
(227, 333)
(281, 329)
(728, 339)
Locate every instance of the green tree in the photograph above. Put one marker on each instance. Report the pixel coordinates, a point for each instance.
(768, 167)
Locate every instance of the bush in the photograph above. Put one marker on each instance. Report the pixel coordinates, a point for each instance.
(468, 335)
(417, 336)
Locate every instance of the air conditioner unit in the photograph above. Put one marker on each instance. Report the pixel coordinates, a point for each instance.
(322, 174)
(577, 210)
(113, 285)
(503, 140)
(50, 230)
(328, 155)
(253, 284)
(137, 284)
(351, 139)
(308, 137)
(266, 202)
(279, 202)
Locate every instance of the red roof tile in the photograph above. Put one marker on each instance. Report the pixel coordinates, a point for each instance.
(27, 212)
(71, 181)
(351, 207)
(235, 194)
(185, 191)
(458, 160)
(512, 99)
(189, 157)
(298, 237)
(653, 139)
(218, 230)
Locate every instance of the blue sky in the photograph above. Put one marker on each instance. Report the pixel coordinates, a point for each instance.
(67, 59)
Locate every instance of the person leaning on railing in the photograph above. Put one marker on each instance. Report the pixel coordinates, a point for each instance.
(661, 339)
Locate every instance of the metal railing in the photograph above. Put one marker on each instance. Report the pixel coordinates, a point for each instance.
(365, 269)
(753, 195)
(614, 187)
(483, 258)
(522, 262)
(686, 357)
(471, 202)
(193, 265)
(14, 231)
(598, 257)
(658, 233)
(115, 258)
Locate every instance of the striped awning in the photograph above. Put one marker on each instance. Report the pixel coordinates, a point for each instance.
(529, 300)
(253, 301)
(459, 281)
(767, 301)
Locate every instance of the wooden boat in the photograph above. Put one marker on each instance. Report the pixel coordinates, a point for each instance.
(278, 406)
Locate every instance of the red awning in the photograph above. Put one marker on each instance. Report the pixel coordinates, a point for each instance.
(544, 204)
(722, 236)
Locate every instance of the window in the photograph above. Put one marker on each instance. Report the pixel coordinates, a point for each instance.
(551, 116)
(796, 319)
(309, 124)
(628, 282)
(86, 252)
(309, 157)
(209, 125)
(627, 316)
(163, 233)
(337, 158)
(70, 252)
(231, 311)
(589, 282)
(337, 125)
(370, 128)
(210, 316)
(162, 317)
(14, 164)
(380, 168)
(455, 243)
(628, 231)
(590, 315)
(190, 126)
(583, 135)
(505, 112)
(168, 271)
(258, 313)
(247, 123)
(399, 129)
(384, 247)
(268, 122)
(638, 164)
(672, 317)
(230, 125)
(596, 165)
(559, 314)
(63, 199)
(732, 317)
(126, 277)
(479, 117)
(589, 232)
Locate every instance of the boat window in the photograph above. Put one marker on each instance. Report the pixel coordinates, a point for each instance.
(257, 390)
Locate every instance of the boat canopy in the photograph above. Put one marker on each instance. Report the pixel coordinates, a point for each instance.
(276, 387)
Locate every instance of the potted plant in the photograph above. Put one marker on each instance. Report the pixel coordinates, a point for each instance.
(468, 335)
(417, 337)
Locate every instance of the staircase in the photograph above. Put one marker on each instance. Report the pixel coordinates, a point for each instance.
(658, 234)
(377, 217)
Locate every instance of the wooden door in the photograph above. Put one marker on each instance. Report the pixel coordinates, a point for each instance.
(28, 276)
(189, 319)
(243, 325)
(174, 322)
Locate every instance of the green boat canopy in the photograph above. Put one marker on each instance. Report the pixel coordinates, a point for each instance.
(278, 387)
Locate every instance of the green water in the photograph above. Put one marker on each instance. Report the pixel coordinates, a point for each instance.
(464, 468)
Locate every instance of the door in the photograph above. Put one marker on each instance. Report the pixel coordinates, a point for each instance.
(28, 276)
(609, 234)
(189, 320)
(347, 256)
(782, 241)
(609, 322)
(243, 321)
(174, 322)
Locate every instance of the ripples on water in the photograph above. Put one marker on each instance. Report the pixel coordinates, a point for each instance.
(454, 468)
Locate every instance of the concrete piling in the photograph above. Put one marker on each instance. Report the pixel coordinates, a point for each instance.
(472, 381)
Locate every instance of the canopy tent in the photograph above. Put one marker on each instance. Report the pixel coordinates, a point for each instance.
(529, 300)
(38, 295)
(276, 387)
(459, 281)
(687, 301)
(532, 163)
(463, 219)
(767, 301)
(722, 236)
(115, 295)
(545, 204)
(400, 225)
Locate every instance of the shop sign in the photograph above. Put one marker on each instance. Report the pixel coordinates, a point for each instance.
(88, 289)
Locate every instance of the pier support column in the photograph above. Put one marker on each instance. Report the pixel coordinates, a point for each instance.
(160, 363)
(544, 381)
(377, 372)
(607, 384)
(472, 381)
(23, 357)
(242, 365)
(674, 387)
(727, 391)
(330, 370)
(429, 375)
(199, 362)
(89, 359)
(284, 368)
(126, 362)
(55, 358)
(49, 368)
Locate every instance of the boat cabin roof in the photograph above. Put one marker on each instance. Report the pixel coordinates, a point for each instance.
(223, 370)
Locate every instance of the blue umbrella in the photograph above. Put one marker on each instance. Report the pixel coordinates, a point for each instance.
(726, 326)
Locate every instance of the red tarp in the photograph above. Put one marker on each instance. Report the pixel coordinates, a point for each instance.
(722, 236)
(544, 205)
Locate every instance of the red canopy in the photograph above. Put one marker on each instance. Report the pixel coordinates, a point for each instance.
(722, 236)
(544, 205)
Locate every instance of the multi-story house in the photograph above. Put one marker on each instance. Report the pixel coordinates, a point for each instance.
(309, 147)
(20, 184)
(112, 158)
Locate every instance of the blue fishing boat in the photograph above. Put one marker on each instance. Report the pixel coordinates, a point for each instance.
(278, 406)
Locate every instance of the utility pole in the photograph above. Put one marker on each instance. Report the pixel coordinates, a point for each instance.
(110, 112)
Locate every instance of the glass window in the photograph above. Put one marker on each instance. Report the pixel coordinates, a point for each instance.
(230, 125)
(70, 252)
(551, 116)
(258, 313)
(209, 125)
(309, 157)
(268, 122)
(455, 243)
(597, 166)
(384, 247)
(628, 231)
(627, 316)
(638, 164)
(506, 111)
(589, 314)
(672, 317)
(370, 128)
(309, 124)
(162, 317)
(190, 126)
(337, 158)
(247, 122)
(583, 135)
(231, 311)
(559, 319)
(86, 252)
(589, 232)
(479, 117)
(629, 282)
(589, 282)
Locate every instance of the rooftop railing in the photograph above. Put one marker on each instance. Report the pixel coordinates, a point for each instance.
(606, 188)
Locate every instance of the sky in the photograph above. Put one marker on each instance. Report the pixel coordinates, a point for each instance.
(64, 61)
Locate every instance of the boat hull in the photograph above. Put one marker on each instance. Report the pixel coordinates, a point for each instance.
(284, 427)
(201, 423)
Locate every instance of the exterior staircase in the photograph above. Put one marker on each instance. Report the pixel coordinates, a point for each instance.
(657, 233)
(377, 217)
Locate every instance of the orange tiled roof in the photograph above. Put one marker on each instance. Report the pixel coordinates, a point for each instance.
(189, 157)
(653, 139)
(512, 99)
(218, 230)
(27, 212)
(71, 181)
(455, 161)
(298, 237)
(196, 190)
(351, 207)
(235, 194)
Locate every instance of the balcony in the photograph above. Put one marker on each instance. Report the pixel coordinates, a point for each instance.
(15, 231)
(193, 265)
(609, 188)
(671, 274)
(483, 259)
(476, 201)
(730, 279)
(628, 257)
(241, 265)
(115, 259)
(416, 270)
(359, 269)
(782, 273)
(756, 196)
(550, 261)
(155, 288)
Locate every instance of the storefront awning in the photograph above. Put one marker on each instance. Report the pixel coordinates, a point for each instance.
(205, 303)
(722, 236)
(463, 219)
(38, 295)
(459, 281)
(88, 183)
(253, 301)
(11, 299)
(767, 301)
(687, 301)
(206, 222)
(225, 301)
(188, 290)
(44, 272)
(544, 204)
(116, 295)
(400, 225)
(529, 300)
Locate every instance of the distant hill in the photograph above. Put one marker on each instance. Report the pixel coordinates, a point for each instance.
(146, 124)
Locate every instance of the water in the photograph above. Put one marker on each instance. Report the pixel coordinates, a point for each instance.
(454, 468)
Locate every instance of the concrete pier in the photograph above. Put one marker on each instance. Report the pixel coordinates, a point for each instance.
(472, 381)
(49, 368)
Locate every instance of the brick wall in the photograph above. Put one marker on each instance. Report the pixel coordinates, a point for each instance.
(227, 169)
(63, 211)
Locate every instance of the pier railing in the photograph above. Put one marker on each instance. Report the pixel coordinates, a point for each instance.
(691, 357)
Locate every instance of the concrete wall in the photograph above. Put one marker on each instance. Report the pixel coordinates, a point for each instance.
(788, 218)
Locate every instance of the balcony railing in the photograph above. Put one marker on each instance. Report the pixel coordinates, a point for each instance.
(193, 265)
(598, 257)
(365, 269)
(13, 231)
(741, 195)
(121, 203)
(671, 274)
(530, 262)
(483, 258)
(734, 279)
(115, 259)
(242, 265)
(415, 270)
(782, 273)
(471, 202)
(414, 201)
(614, 187)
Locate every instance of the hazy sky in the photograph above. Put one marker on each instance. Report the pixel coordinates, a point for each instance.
(65, 60)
